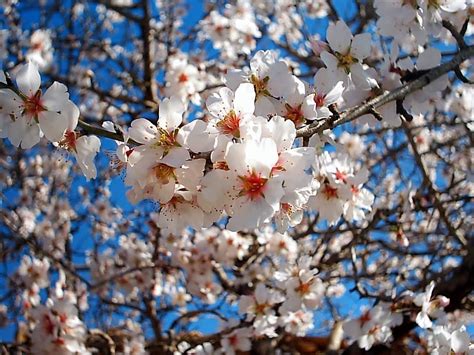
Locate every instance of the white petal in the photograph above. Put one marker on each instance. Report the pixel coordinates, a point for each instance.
(453, 5)
(171, 113)
(423, 320)
(53, 125)
(190, 174)
(87, 147)
(283, 132)
(55, 97)
(143, 131)
(330, 61)
(28, 79)
(249, 214)
(430, 58)
(10, 103)
(360, 47)
(197, 137)
(361, 78)
(176, 157)
(24, 133)
(234, 78)
(339, 37)
(335, 94)
(264, 107)
(219, 104)
(460, 341)
(70, 113)
(244, 101)
(279, 77)
(352, 329)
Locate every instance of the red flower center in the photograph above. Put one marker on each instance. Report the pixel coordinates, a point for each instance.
(340, 176)
(304, 288)
(48, 325)
(233, 340)
(330, 192)
(230, 124)
(252, 186)
(319, 100)
(183, 78)
(364, 318)
(69, 141)
(33, 105)
(294, 114)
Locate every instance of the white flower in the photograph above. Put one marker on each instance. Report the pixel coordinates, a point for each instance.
(236, 341)
(84, 149)
(34, 271)
(180, 212)
(326, 92)
(461, 343)
(34, 113)
(255, 194)
(184, 80)
(348, 53)
(373, 326)
(269, 77)
(152, 167)
(58, 328)
(41, 49)
(429, 307)
(298, 323)
(259, 309)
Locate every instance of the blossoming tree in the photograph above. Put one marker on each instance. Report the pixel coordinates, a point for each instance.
(236, 177)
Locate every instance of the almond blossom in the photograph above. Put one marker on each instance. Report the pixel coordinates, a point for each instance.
(258, 309)
(33, 113)
(347, 54)
(429, 307)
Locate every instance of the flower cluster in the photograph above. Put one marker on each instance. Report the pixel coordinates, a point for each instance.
(259, 171)
(282, 182)
(26, 115)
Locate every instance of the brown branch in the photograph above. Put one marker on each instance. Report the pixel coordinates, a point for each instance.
(433, 192)
(148, 65)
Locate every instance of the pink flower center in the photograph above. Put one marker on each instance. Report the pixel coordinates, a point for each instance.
(233, 340)
(230, 124)
(330, 192)
(286, 207)
(304, 288)
(48, 325)
(69, 141)
(319, 100)
(340, 176)
(294, 114)
(364, 318)
(253, 186)
(33, 105)
(183, 78)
